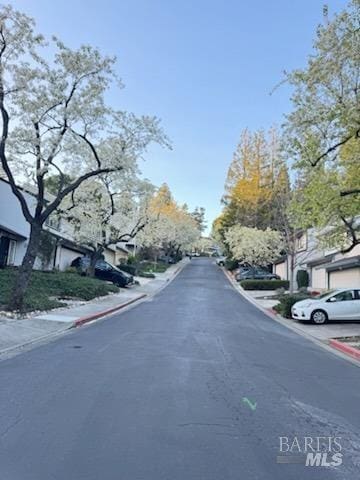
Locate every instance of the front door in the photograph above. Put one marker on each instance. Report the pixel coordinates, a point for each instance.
(4, 251)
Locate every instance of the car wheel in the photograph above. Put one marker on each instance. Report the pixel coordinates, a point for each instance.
(319, 317)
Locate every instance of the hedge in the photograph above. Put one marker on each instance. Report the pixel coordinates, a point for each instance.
(264, 284)
(302, 278)
(231, 264)
(287, 301)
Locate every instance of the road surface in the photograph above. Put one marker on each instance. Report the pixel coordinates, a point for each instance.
(194, 384)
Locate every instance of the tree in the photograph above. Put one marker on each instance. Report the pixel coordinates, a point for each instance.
(253, 246)
(251, 179)
(317, 203)
(55, 121)
(106, 211)
(169, 226)
(326, 100)
(199, 216)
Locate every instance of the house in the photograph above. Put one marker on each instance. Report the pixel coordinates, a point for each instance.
(327, 268)
(59, 248)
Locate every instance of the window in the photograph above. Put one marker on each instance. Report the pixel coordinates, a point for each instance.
(53, 222)
(357, 294)
(301, 243)
(345, 296)
(11, 252)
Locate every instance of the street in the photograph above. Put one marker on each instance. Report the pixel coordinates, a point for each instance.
(195, 383)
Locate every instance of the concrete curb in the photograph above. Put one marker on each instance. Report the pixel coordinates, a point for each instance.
(89, 318)
(347, 349)
(103, 313)
(84, 320)
(339, 352)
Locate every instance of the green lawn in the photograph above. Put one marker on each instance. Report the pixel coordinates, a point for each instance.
(45, 285)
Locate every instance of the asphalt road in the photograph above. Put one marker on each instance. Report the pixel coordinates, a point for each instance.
(157, 393)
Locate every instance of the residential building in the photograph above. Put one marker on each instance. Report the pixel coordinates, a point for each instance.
(14, 233)
(327, 268)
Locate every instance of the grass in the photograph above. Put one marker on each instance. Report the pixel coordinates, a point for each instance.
(46, 285)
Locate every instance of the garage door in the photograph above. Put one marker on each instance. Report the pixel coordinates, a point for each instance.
(280, 269)
(65, 256)
(345, 278)
(318, 278)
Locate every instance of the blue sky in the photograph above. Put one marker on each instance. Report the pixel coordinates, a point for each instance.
(205, 67)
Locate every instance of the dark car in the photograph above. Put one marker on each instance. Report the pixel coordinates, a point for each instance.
(167, 259)
(255, 273)
(104, 271)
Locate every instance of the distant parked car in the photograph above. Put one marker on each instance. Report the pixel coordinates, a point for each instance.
(338, 304)
(255, 273)
(104, 271)
(221, 261)
(167, 259)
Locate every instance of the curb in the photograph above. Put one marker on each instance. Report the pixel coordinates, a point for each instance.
(347, 349)
(83, 320)
(344, 353)
(94, 316)
(89, 318)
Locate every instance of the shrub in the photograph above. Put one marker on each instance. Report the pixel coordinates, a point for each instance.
(132, 259)
(44, 286)
(287, 301)
(132, 269)
(264, 284)
(158, 267)
(302, 278)
(231, 264)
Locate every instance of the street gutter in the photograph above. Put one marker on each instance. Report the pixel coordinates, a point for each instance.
(334, 346)
(25, 346)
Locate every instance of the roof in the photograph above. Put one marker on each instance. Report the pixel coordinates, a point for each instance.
(12, 232)
(343, 264)
(70, 244)
(280, 260)
(320, 260)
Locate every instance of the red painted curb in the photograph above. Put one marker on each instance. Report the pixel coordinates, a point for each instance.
(94, 316)
(353, 352)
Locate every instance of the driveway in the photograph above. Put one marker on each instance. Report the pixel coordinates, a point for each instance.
(194, 384)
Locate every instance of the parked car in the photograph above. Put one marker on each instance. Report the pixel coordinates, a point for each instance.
(221, 261)
(338, 304)
(167, 259)
(104, 271)
(255, 273)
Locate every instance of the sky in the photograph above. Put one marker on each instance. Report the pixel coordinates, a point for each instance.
(206, 68)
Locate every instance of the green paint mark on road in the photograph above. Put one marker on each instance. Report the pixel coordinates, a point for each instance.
(249, 403)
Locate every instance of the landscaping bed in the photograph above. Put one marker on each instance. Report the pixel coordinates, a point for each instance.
(354, 341)
(264, 284)
(47, 289)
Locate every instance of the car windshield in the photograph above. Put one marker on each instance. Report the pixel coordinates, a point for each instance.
(324, 294)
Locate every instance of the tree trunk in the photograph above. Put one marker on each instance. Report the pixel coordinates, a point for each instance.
(24, 274)
(292, 271)
(95, 256)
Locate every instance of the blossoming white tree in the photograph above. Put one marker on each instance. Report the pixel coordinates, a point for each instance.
(253, 246)
(54, 120)
(169, 226)
(106, 211)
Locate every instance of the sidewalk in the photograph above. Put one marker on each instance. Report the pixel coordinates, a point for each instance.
(17, 333)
